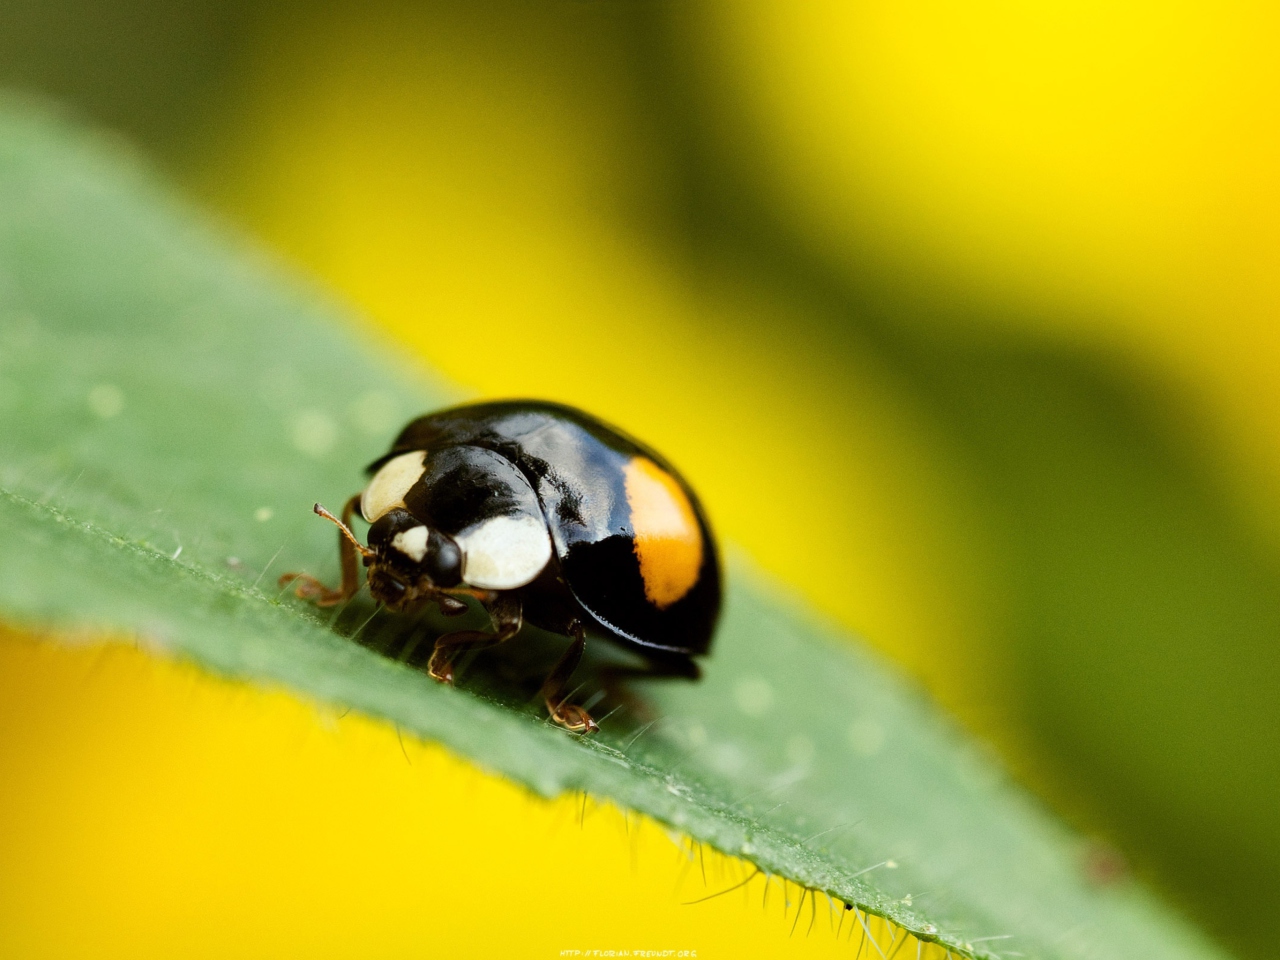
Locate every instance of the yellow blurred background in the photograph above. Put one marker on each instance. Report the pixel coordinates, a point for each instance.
(961, 318)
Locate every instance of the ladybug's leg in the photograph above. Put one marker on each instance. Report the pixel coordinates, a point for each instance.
(506, 616)
(568, 715)
(309, 588)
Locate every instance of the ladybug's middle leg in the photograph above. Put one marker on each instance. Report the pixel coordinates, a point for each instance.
(568, 715)
(506, 616)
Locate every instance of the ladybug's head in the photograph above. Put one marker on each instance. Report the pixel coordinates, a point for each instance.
(407, 560)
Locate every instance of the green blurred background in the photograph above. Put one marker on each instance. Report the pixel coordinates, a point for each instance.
(963, 318)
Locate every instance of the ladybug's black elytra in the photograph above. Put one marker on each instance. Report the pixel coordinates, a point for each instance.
(543, 514)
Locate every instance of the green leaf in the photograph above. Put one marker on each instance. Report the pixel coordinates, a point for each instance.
(172, 403)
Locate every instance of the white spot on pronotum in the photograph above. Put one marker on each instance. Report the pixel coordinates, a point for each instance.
(505, 552)
(754, 696)
(866, 737)
(374, 412)
(391, 484)
(412, 543)
(800, 750)
(314, 433)
(263, 514)
(106, 400)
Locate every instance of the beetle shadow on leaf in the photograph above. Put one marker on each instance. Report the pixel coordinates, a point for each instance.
(509, 673)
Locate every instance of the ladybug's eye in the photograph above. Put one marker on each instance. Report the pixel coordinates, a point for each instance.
(444, 560)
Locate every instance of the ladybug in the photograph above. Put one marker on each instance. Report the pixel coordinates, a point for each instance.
(542, 514)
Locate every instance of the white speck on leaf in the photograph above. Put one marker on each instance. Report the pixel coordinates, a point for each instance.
(727, 758)
(106, 400)
(866, 737)
(314, 433)
(754, 696)
(695, 734)
(374, 412)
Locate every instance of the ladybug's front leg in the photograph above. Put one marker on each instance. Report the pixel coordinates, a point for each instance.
(506, 615)
(568, 715)
(309, 588)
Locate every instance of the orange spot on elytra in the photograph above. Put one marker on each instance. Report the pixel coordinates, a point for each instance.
(668, 539)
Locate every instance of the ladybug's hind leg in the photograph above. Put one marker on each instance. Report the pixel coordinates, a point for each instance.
(568, 715)
(506, 615)
(309, 588)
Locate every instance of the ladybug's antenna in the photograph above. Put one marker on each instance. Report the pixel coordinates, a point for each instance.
(364, 551)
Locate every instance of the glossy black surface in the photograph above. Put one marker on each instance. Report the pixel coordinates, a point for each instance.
(522, 457)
